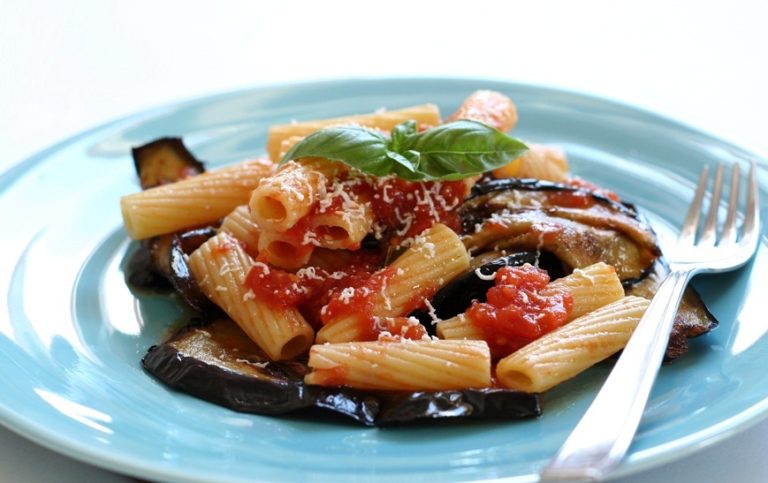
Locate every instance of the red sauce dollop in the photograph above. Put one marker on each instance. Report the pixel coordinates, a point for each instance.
(411, 207)
(404, 328)
(309, 289)
(357, 299)
(516, 313)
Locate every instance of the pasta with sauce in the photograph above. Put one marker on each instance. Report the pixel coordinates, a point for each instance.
(342, 263)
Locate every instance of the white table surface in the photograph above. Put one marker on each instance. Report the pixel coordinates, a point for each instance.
(68, 66)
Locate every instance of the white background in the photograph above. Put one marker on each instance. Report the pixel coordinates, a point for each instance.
(68, 66)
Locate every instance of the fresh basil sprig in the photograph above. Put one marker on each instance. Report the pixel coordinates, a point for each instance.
(450, 151)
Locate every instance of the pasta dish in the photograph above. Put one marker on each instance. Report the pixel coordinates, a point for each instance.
(392, 266)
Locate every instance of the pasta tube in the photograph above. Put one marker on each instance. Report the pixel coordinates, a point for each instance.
(281, 200)
(240, 225)
(431, 262)
(283, 250)
(191, 202)
(540, 162)
(571, 349)
(344, 228)
(489, 107)
(422, 365)
(220, 267)
(427, 114)
(591, 288)
(286, 145)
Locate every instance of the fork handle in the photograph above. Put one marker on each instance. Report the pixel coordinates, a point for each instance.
(602, 436)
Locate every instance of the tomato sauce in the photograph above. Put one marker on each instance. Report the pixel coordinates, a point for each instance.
(331, 377)
(571, 199)
(357, 299)
(405, 328)
(309, 289)
(401, 209)
(586, 185)
(405, 208)
(410, 207)
(516, 313)
(224, 247)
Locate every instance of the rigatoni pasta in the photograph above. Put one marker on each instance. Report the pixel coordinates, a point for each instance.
(220, 267)
(281, 200)
(241, 226)
(427, 365)
(426, 114)
(431, 262)
(193, 201)
(564, 353)
(488, 107)
(539, 162)
(590, 288)
(344, 226)
(284, 250)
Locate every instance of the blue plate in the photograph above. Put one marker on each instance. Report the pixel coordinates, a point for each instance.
(74, 334)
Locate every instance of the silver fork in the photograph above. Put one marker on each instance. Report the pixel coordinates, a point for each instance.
(598, 443)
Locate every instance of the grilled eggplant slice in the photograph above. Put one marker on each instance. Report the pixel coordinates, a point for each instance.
(164, 161)
(576, 225)
(693, 318)
(580, 228)
(217, 362)
(168, 259)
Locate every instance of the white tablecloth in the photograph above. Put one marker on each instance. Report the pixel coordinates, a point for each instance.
(67, 66)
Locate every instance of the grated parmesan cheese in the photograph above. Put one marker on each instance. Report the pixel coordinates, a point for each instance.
(251, 363)
(309, 273)
(432, 312)
(482, 276)
(263, 266)
(429, 249)
(347, 294)
(584, 274)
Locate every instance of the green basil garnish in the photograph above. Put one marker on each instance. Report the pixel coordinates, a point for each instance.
(450, 151)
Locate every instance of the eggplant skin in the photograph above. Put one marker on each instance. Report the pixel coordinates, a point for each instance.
(163, 161)
(220, 386)
(219, 364)
(526, 214)
(693, 317)
(166, 257)
(402, 408)
(604, 230)
(532, 184)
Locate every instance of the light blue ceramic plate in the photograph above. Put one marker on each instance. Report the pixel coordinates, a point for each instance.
(74, 335)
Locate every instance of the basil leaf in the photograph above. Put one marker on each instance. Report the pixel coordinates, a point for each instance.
(463, 148)
(451, 151)
(401, 135)
(358, 147)
(404, 167)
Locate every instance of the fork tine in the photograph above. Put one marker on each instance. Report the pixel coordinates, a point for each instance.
(729, 229)
(751, 218)
(688, 232)
(708, 235)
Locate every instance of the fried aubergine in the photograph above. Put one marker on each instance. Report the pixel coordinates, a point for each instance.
(219, 363)
(579, 227)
